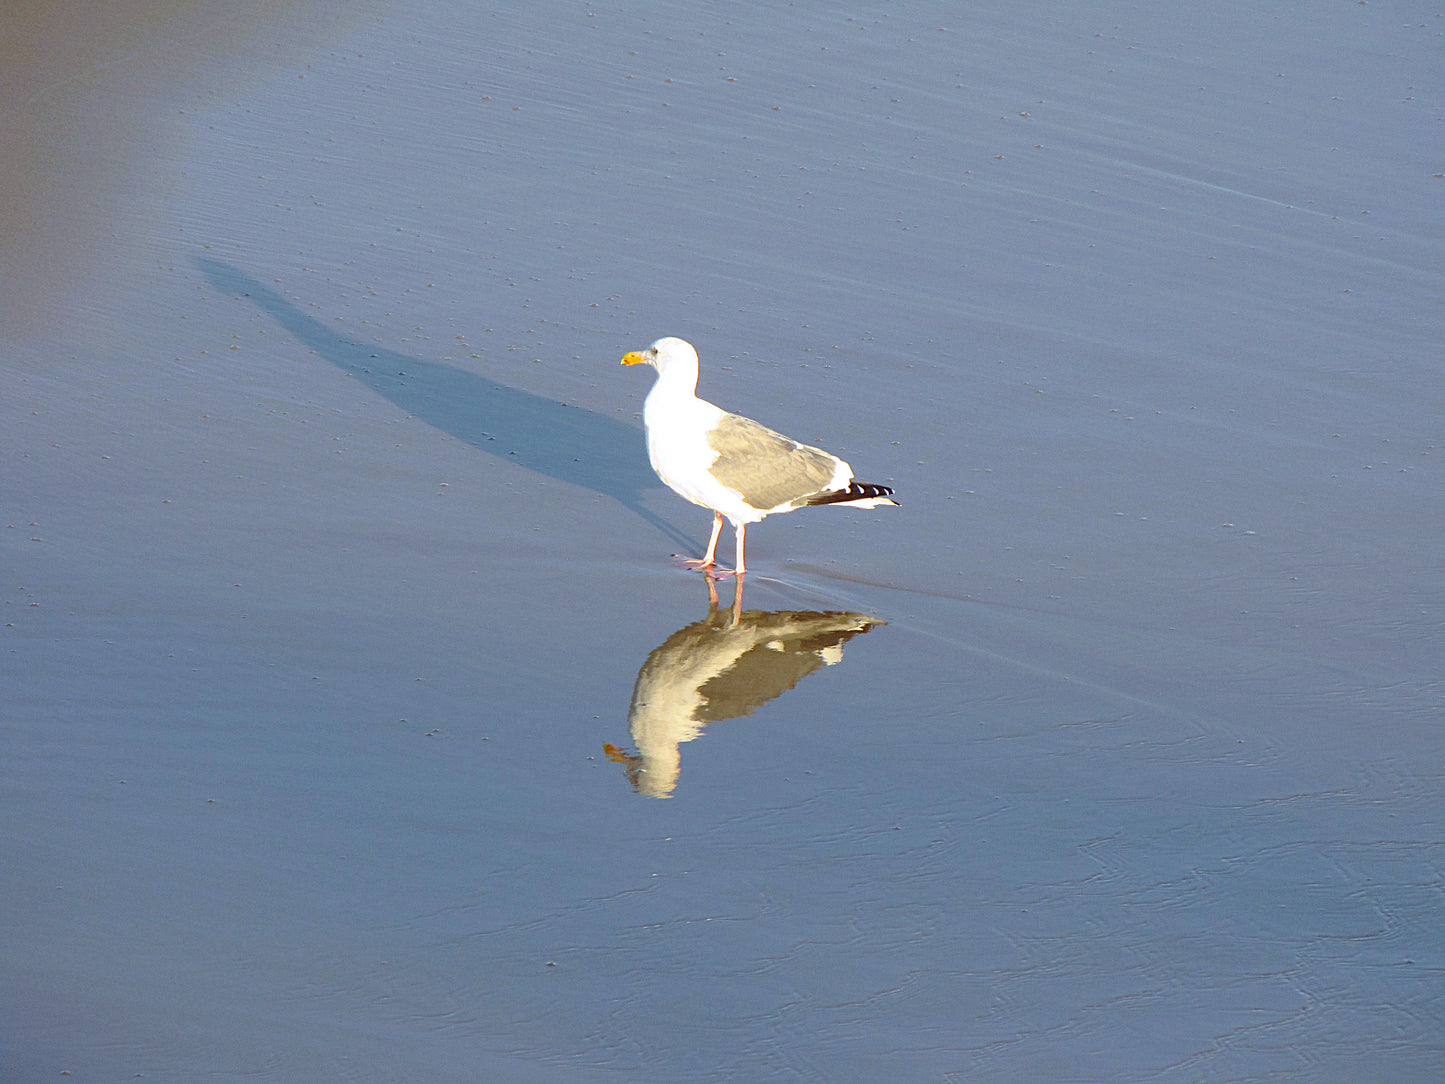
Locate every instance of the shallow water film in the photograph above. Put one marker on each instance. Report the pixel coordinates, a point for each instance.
(360, 723)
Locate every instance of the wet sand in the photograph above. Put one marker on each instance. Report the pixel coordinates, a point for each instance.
(359, 723)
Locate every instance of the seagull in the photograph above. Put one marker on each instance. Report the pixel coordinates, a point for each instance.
(739, 468)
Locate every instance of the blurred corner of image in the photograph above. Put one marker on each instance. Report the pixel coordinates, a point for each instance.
(92, 101)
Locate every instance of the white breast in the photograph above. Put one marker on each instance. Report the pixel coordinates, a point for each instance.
(677, 445)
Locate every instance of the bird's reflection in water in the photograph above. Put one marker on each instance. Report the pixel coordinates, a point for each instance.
(722, 667)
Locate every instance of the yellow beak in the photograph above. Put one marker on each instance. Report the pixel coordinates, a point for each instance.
(634, 357)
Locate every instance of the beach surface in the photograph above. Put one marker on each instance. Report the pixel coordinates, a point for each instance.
(360, 723)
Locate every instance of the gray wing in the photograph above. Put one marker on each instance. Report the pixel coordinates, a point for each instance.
(767, 468)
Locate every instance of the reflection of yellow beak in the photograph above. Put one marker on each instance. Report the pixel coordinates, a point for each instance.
(634, 357)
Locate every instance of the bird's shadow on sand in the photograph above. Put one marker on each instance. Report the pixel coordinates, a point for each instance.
(568, 443)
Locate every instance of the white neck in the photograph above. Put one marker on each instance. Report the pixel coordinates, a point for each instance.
(677, 378)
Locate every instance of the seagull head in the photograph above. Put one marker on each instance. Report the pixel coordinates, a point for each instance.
(662, 354)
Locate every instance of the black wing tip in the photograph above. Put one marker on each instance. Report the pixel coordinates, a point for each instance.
(856, 491)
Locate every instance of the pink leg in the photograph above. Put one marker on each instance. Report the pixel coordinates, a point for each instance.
(709, 558)
(740, 530)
